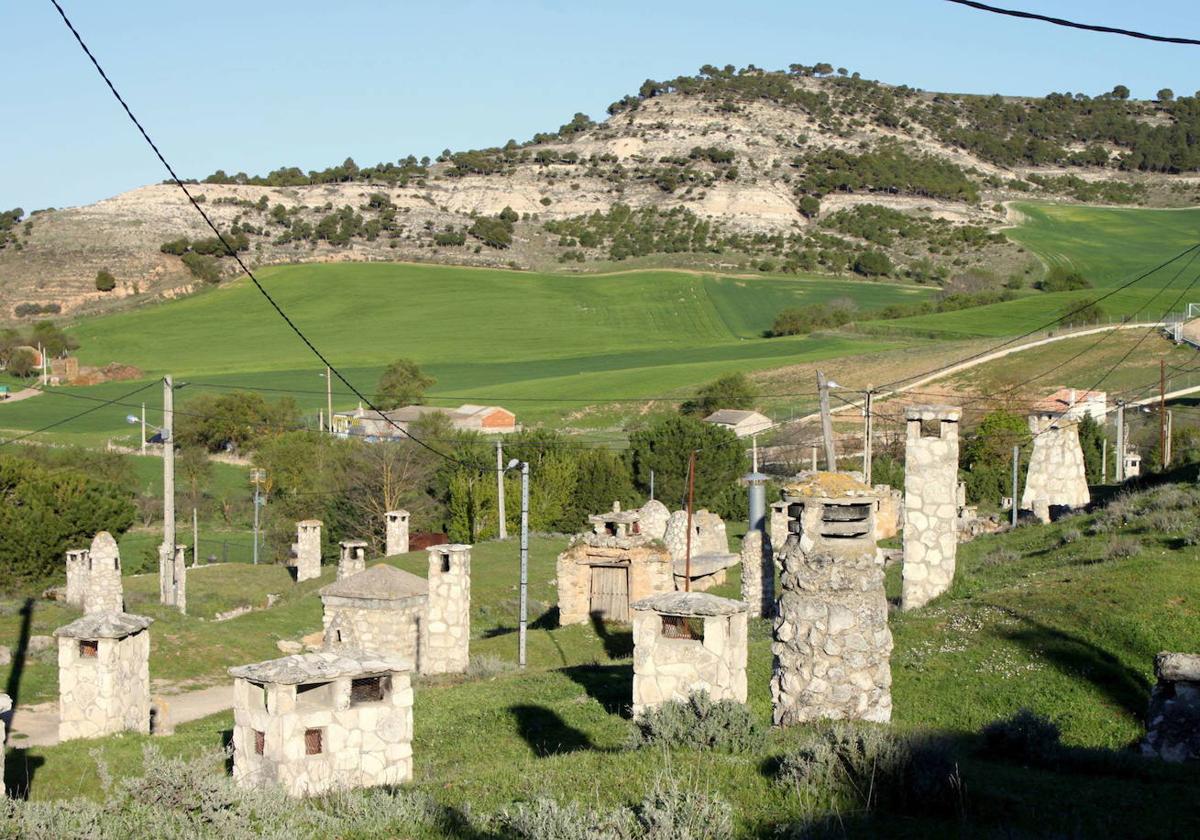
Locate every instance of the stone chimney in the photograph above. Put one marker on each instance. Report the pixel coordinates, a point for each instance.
(396, 522)
(448, 623)
(353, 558)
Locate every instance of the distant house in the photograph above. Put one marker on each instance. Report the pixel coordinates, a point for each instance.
(1073, 404)
(741, 423)
(486, 419)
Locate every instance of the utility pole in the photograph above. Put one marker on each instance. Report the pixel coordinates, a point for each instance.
(522, 623)
(1119, 469)
(257, 477)
(195, 539)
(1167, 457)
(500, 511)
(651, 485)
(329, 398)
(687, 571)
(1016, 459)
(143, 428)
(826, 422)
(1162, 414)
(1104, 460)
(867, 432)
(813, 466)
(166, 567)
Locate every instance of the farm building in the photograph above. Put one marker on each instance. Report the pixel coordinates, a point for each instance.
(1073, 404)
(486, 419)
(741, 423)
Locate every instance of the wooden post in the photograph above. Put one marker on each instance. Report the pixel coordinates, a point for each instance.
(1167, 457)
(687, 563)
(826, 423)
(1162, 414)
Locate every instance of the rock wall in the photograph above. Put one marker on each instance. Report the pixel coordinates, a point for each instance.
(708, 534)
(649, 564)
(668, 669)
(448, 618)
(890, 513)
(1056, 475)
(361, 745)
(758, 574)
(653, 519)
(306, 551)
(1173, 721)
(106, 693)
(396, 525)
(930, 504)
(102, 588)
(77, 574)
(379, 626)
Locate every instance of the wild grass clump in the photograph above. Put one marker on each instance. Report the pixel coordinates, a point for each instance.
(670, 811)
(698, 723)
(874, 769)
(1069, 535)
(1026, 737)
(1168, 521)
(1120, 548)
(482, 666)
(999, 557)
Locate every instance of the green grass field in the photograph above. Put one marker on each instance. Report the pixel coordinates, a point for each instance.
(1045, 618)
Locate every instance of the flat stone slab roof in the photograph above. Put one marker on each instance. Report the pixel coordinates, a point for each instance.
(381, 582)
(933, 412)
(706, 564)
(105, 625)
(321, 666)
(690, 603)
(826, 485)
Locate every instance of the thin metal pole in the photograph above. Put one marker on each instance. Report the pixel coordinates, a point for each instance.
(1119, 470)
(143, 428)
(1016, 459)
(651, 485)
(167, 584)
(524, 563)
(867, 431)
(256, 523)
(329, 398)
(195, 539)
(501, 513)
(1162, 414)
(687, 568)
(1104, 460)
(1167, 457)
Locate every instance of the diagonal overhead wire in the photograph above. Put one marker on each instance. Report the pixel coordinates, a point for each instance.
(1089, 27)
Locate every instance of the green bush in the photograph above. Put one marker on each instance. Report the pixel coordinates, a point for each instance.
(698, 723)
(1060, 279)
(203, 267)
(105, 282)
(449, 238)
(495, 233)
(872, 264)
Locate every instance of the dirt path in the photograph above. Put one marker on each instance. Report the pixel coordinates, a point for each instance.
(37, 726)
(23, 394)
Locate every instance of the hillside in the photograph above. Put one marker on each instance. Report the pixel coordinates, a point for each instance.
(789, 171)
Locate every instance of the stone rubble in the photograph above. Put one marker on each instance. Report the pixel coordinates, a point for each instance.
(1173, 721)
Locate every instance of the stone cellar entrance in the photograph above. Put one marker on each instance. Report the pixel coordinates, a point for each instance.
(610, 592)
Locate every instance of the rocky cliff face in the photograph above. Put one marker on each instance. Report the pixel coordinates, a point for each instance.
(742, 165)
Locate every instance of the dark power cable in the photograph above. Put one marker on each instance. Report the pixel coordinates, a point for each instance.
(1088, 27)
(228, 248)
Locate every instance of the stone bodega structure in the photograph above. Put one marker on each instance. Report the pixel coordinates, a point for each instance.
(603, 572)
(1056, 477)
(832, 643)
(103, 675)
(306, 550)
(1173, 722)
(353, 558)
(323, 721)
(396, 529)
(448, 637)
(930, 503)
(686, 642)
(94, 576)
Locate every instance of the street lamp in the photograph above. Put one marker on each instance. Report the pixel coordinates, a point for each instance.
(257, 476)
(522, 619)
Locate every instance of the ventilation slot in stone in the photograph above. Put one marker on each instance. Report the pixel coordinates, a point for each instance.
(366, 690)
(846, 522)
(682, 627)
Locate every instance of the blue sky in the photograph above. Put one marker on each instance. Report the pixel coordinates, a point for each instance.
(253, 85)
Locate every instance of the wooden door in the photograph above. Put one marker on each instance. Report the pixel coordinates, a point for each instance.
(610, 592)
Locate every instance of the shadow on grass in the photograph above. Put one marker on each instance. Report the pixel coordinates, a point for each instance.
(19, 770)
(546, 732)
(609, 685)
(1077, 657)
(617, 644)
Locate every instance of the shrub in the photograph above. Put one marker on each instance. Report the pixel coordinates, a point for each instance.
(105, 282)
(872, 264)
(24, 309)
(449, 238)
(1119, 548)
(1069, 535)
(495, 233)
(874, 769)
(1060, 279)
(202, 267)
(1000, 557)
(1026, 736)
(698, 723)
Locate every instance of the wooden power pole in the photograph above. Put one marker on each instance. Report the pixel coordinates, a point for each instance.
(826, 422)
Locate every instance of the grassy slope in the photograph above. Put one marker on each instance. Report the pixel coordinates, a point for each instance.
(488, 335)
(1053, 626)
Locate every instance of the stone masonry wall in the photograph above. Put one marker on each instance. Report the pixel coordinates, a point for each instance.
(394, 627)
(306, 551)
(930, 504)
(77, 573)
(832, 642)
(448, 628)
(396, 524)
(1056, 474)
(362, 745)
(671, 669)
(107, 693)
(758, 574)
(650, 572)
(1173, 721)
(653, 518)
(352, 559)
(102, 589)
(708, 534)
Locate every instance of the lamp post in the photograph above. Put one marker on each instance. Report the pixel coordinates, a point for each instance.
(257, 476)
(523, 616)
